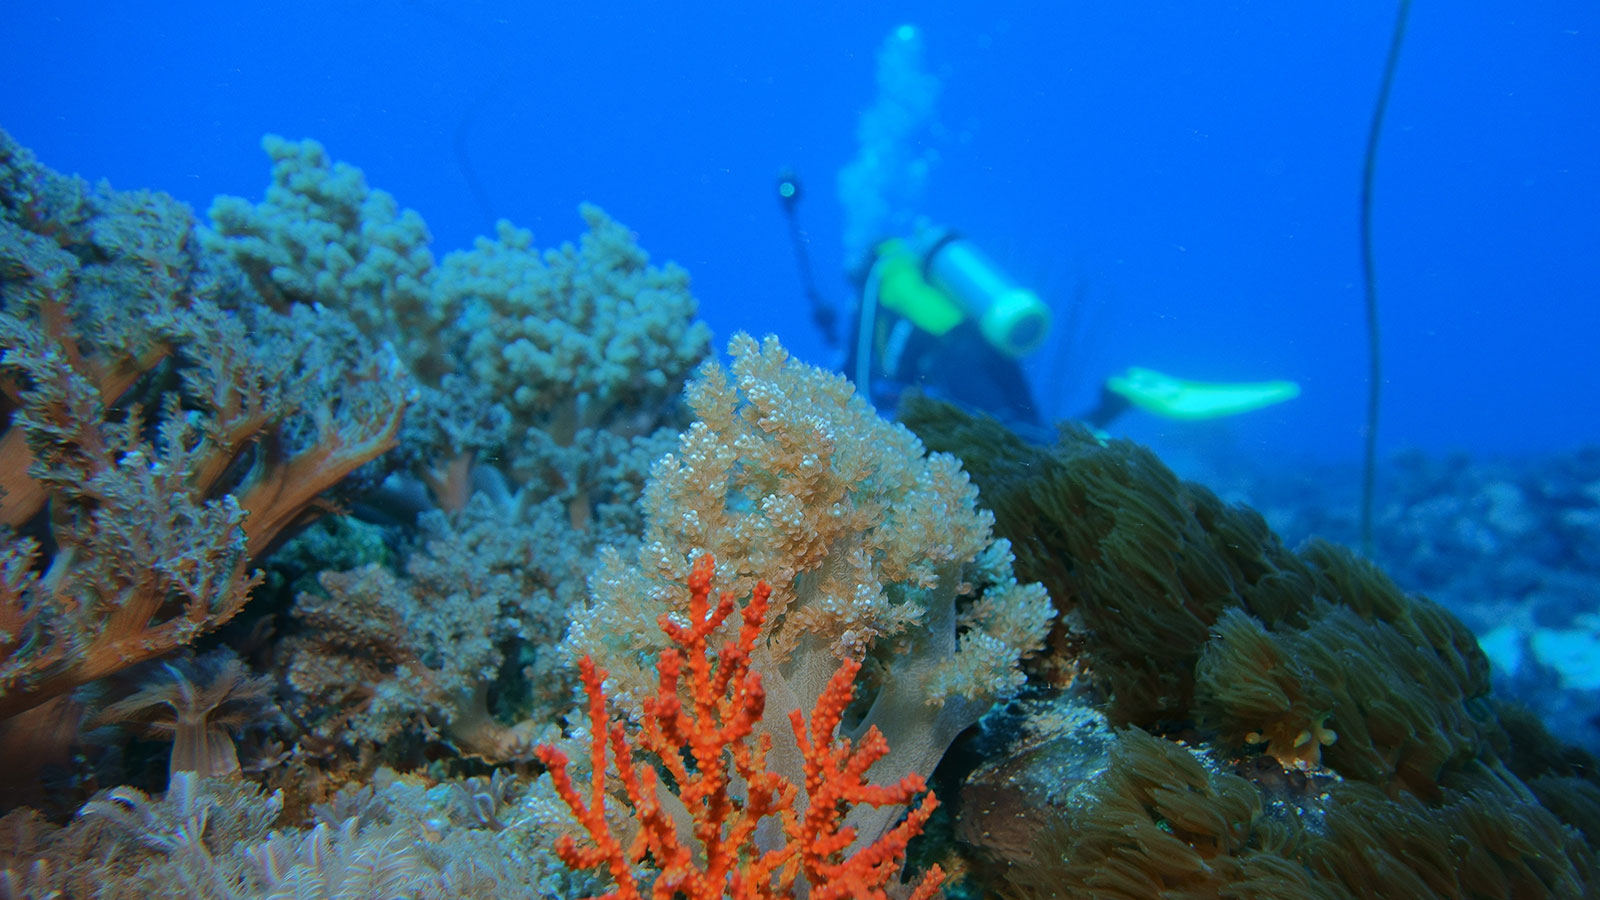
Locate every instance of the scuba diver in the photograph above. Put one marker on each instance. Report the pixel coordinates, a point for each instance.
(936, 315)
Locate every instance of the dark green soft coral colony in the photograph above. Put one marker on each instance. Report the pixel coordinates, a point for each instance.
(1214, 715)
(1279, 723)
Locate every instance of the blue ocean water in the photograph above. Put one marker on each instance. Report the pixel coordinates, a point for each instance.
(1179, 182)
(1186, 176)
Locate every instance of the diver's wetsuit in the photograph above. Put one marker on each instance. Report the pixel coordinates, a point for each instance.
(959, 366)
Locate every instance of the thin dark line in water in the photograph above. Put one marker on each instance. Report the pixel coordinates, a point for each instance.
(1369, 274)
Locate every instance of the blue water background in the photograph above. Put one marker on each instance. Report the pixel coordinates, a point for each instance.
(1186, 174)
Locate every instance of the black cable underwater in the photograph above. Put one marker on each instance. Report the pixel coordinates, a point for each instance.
(823, 315)
(1369, 465)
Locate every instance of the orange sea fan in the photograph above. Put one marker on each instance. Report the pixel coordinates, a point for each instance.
(701, 736)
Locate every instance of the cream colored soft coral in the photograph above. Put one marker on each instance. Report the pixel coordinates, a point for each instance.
(874, 548)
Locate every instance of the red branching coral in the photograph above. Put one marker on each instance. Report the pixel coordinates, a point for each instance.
(701, 736)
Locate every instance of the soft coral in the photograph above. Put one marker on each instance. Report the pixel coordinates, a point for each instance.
(159, 429)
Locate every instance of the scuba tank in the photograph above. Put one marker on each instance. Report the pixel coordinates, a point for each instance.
(940, 279)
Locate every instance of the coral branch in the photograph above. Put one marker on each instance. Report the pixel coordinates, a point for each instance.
(706, 711)
(835, 781)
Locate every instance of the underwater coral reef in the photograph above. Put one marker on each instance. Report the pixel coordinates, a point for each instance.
(332, 569)
(1510, 545)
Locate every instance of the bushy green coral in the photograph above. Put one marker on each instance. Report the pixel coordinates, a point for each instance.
(572, 336)
(543, 361)
(549, 383)
(321, 235)
(567, 338)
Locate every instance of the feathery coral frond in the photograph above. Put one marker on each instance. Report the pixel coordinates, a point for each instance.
(160, 429)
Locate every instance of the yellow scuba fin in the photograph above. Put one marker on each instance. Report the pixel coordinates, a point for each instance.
(1180, 398)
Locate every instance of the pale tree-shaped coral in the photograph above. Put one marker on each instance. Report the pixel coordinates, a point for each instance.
(875, 551)
(573, 336)
(321, 235)
(550, 381)
(579, 337)
(585, 346)
(559, 368)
